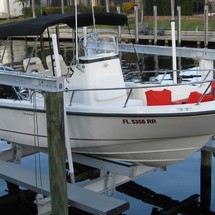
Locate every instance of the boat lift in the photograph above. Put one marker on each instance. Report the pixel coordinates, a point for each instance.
(85, 196)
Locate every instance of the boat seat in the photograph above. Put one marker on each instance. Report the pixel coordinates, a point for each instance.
(158, 97)
(195, 96)
(63, 66)
(33, 64)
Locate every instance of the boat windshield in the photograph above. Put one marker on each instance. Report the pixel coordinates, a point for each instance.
(98, 43)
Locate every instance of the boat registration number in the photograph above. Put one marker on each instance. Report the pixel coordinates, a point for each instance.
(139, 121)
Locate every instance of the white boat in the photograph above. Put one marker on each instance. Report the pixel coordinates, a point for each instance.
(156, 125)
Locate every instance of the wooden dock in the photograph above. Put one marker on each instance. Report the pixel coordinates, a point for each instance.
(197, 37)
(186, 37)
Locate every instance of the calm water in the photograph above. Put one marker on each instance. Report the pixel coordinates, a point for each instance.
(179, 182)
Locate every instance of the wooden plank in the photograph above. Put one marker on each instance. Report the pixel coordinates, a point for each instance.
(83, 199)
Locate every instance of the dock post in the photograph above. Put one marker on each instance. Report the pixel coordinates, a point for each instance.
(206, 25)
(56, 151)
(155, 25)
(136, 24)
(206, 66)
(119, 27)
(205, 193)
(107, 6)
(179, 24)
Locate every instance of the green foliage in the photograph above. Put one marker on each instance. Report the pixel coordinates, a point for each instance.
(21, 2)
(52, 10)
(128, 7)
(37, 3)
(148, 8)
(187, 8)
(198, 6)
(98, 9)
(56, 3)
(164, 7)
(27, 11)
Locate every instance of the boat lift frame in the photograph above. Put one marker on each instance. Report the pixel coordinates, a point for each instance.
(112, 174)
(81, 198)
(84, 196)
(185, 52)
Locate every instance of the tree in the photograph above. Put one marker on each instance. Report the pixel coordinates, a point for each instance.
(187, 8)
(56, 3)
(164, 7)
(22, 2)
(37, 2)
(198, 6)
(33, 8)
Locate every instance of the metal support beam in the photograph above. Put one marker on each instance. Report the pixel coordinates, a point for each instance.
(8, 155)
(195, 53)
(32, 81)
(130, 170)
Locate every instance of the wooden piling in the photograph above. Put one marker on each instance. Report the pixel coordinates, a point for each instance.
(155, 25)
(206, 26)
(56, 150)
(179, 25)
(119, 27)
(136, 24)
(206, 162)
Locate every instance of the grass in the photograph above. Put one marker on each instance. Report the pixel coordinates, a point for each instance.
(4, 21)
(186, 25)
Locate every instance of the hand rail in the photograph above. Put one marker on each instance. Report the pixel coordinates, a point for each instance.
(144, 86)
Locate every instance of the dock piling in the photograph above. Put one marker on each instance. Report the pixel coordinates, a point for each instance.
(136, 24)
(56, 149)
(155, 25)
(205, 190)
(206, 26)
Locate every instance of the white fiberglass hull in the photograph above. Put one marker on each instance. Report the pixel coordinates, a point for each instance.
(156, 153)
(152, 139)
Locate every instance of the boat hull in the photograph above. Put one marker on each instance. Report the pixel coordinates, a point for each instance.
(142, 138)
(154, 153)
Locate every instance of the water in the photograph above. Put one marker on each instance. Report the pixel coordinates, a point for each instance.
(179, 182)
